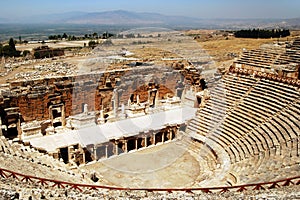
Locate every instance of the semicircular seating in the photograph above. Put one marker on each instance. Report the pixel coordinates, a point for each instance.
(255, 121)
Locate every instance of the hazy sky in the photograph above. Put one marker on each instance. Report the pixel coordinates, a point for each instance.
(194, 8)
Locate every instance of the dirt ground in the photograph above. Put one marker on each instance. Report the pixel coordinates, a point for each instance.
(219, 48)
(167, 165)
(58, 44)
(221, 45)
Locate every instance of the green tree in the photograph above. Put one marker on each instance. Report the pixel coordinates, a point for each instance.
(11, 44)
(92, 43)
(65, 36)
(1, 47)
(25, 53)
(261, 33)
(37, 55)
(6, 51)
(10, 49)
(53, 37)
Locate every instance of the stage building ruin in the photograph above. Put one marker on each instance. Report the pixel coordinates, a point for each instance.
(32, 110)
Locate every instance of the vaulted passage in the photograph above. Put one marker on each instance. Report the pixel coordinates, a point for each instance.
(101, 152)
(64, 154)
(131, 144)
(11, 133)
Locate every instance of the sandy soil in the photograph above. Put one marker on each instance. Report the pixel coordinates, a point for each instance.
(167, 165)
(211, 50)
(58, 44)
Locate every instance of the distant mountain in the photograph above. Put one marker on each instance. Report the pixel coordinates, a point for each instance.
(122, 17)
(117, 17)
(4, 20)
(51, 18)
(294, 22)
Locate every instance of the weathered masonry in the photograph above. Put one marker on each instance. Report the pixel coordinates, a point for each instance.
(50, 101)
(114, 138)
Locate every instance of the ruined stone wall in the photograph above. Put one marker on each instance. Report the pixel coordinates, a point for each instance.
(140, 81)
(34, 97)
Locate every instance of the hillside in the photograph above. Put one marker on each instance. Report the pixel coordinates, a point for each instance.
(122, 17)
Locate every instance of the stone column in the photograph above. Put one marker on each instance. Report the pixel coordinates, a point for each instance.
(123, 114)
(123, 109)
(136, 144)
(145, 141)
(176, 131)
(106, 151)
(95, 152)
(170, 134)
(101, 119)
(63, 116)
(70, 152)
(163, 137)
(179, 89)
(85, 109)
(50, 114)
(83, 156)
(20, 132)
(125, 143)
(129, 103)
(149, 95)
(116, 148)
(115, 102)
(153, 136)
(156, 101)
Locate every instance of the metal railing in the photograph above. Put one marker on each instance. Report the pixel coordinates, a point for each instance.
(4, 173)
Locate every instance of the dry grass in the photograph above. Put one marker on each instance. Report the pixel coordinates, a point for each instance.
(152, 54)
(217, 44)
(221, 48)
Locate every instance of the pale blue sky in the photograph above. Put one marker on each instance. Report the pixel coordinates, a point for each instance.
(193, 8)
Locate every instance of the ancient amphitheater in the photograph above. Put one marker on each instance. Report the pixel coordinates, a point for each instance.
(175, 136)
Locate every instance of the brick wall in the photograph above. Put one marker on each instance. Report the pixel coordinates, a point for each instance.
(33, 97)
